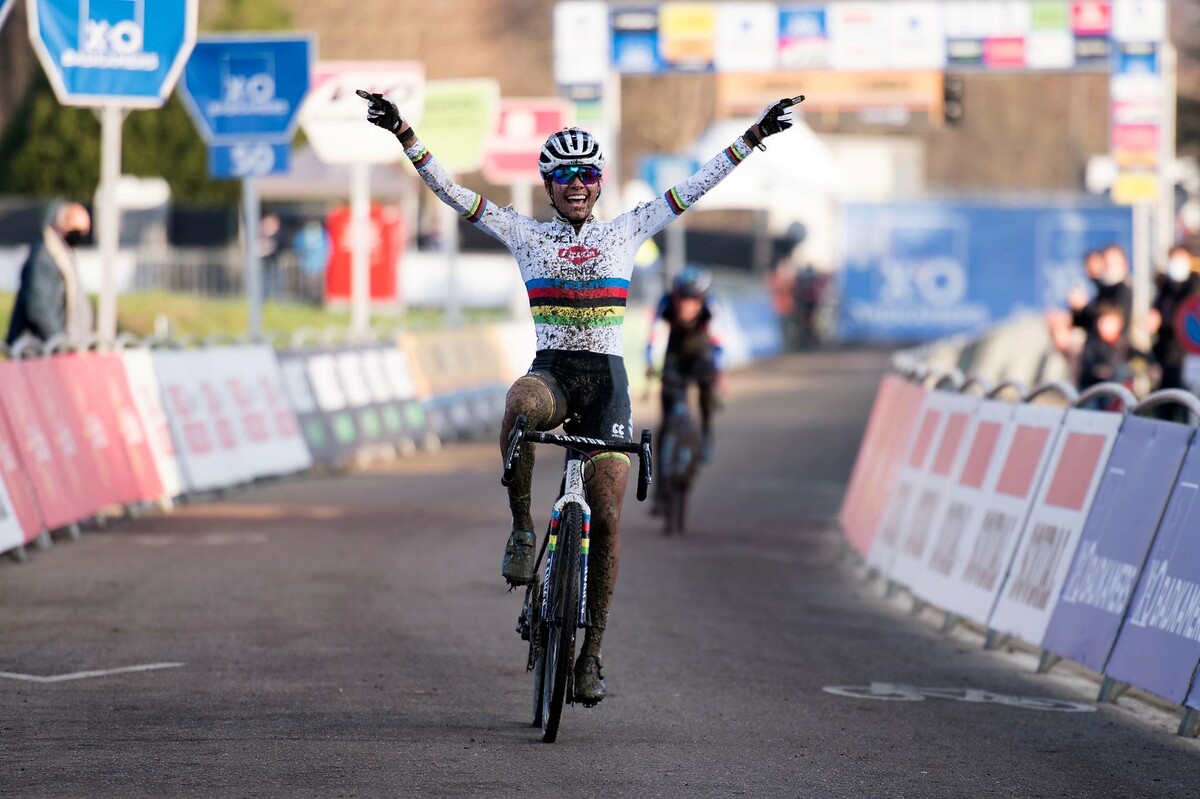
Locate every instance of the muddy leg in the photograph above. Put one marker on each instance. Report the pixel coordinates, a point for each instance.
(530, 396)
(606, 493)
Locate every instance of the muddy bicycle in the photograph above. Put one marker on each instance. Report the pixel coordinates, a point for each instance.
(679, 444)
(555, 604)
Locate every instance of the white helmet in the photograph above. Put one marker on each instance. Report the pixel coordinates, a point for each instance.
(570, 147)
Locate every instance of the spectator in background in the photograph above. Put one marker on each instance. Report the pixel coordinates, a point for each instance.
(1108, 269)
(312, 245)
(1175, 284)
(1108, 355)
(50, 300)
(270, 237)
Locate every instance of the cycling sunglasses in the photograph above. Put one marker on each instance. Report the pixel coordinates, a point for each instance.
(563, 175)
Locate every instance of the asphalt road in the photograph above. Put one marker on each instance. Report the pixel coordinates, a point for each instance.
(351, 636)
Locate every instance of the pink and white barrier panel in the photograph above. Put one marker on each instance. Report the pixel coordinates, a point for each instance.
(1069, 529)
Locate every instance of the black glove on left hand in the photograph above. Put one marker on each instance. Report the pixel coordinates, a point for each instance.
(381, 111)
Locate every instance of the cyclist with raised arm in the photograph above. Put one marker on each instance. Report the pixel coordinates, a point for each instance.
(576, 271)
(693, 352)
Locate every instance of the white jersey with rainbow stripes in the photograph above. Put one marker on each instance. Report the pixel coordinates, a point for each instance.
(577, 282)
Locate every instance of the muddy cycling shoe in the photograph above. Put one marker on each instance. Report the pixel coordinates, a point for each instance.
(589, 682)
(519, 557)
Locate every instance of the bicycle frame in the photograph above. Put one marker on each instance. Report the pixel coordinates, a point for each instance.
(573, 493)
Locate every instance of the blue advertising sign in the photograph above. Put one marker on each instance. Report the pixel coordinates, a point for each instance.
(635, 40)
(243, 88)
(1129, 503)
(1159, 645)
(923, 270)
(126, 53)
(249, 159)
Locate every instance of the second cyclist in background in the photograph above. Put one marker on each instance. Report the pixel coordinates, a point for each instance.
(693, 351)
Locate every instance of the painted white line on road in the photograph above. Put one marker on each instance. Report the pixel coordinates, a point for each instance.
(83, 675)
(909, 693)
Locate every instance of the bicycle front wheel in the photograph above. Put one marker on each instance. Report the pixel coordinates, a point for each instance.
(562, 619)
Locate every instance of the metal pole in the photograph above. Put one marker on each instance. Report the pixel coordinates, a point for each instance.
(1142, 277)
(522, 197)
(251, 212)
(1165, 234)
(108, 229)
(360, 252)
(449, 226)
(676, 256)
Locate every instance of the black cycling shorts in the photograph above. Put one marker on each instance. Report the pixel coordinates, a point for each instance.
(594, 388)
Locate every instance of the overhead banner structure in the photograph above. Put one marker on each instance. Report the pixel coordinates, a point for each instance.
(1055, 524)
(918, 271)
(1120, 528)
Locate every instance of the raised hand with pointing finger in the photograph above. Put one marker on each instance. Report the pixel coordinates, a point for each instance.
(775, 118)
(383, 112)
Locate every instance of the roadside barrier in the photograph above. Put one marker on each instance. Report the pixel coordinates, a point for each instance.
(1059, 525)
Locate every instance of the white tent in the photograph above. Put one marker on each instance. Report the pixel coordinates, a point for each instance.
(797, 179)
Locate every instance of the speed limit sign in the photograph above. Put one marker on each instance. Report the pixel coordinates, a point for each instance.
(334, 118)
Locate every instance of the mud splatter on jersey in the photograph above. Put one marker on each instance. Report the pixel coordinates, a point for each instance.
(578, 283)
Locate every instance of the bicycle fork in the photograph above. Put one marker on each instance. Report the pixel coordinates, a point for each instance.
(572, 495)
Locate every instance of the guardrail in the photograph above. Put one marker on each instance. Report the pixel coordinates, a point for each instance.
(1064, 520)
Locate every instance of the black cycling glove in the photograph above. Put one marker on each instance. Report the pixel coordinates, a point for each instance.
(381, 111)
(774, 119)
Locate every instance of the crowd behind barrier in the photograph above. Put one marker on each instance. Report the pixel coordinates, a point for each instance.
(1035, 514)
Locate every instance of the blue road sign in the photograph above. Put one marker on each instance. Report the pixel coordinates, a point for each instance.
(126, 53)
(248, 159)
(247, 88)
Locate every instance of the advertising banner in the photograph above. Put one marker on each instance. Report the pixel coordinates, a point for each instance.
(951, 522)
(803, 37)
(301, 398)
(863, 510)
(949, 453)
(202, 420)
(73, 452)
(12, 533)
(747, 36)
(918, 455)
(88, 399)
(635, 47)
(1159, 644)
(148, 404)
(36, 448)
(1125, 514)
(581, 43)
(22, 499)
(917, 271)
(1001, 497)
(109, 374)
(1055, 524)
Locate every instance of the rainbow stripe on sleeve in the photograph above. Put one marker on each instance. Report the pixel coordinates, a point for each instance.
(578, 303)
(678, 206)
(420, 158)
(475, 212)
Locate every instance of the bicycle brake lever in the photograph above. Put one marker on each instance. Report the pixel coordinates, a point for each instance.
(645, 468)
(513, 453)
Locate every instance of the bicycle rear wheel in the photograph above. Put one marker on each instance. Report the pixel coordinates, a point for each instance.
(562, 619)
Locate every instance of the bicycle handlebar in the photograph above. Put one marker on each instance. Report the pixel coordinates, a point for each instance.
(520, 435)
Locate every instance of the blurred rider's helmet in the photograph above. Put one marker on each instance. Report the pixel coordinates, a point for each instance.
(570, 147)
(692, 282)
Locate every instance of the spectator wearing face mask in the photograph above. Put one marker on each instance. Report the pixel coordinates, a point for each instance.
(50, 300)
(1108, 269)
(1176, 283)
